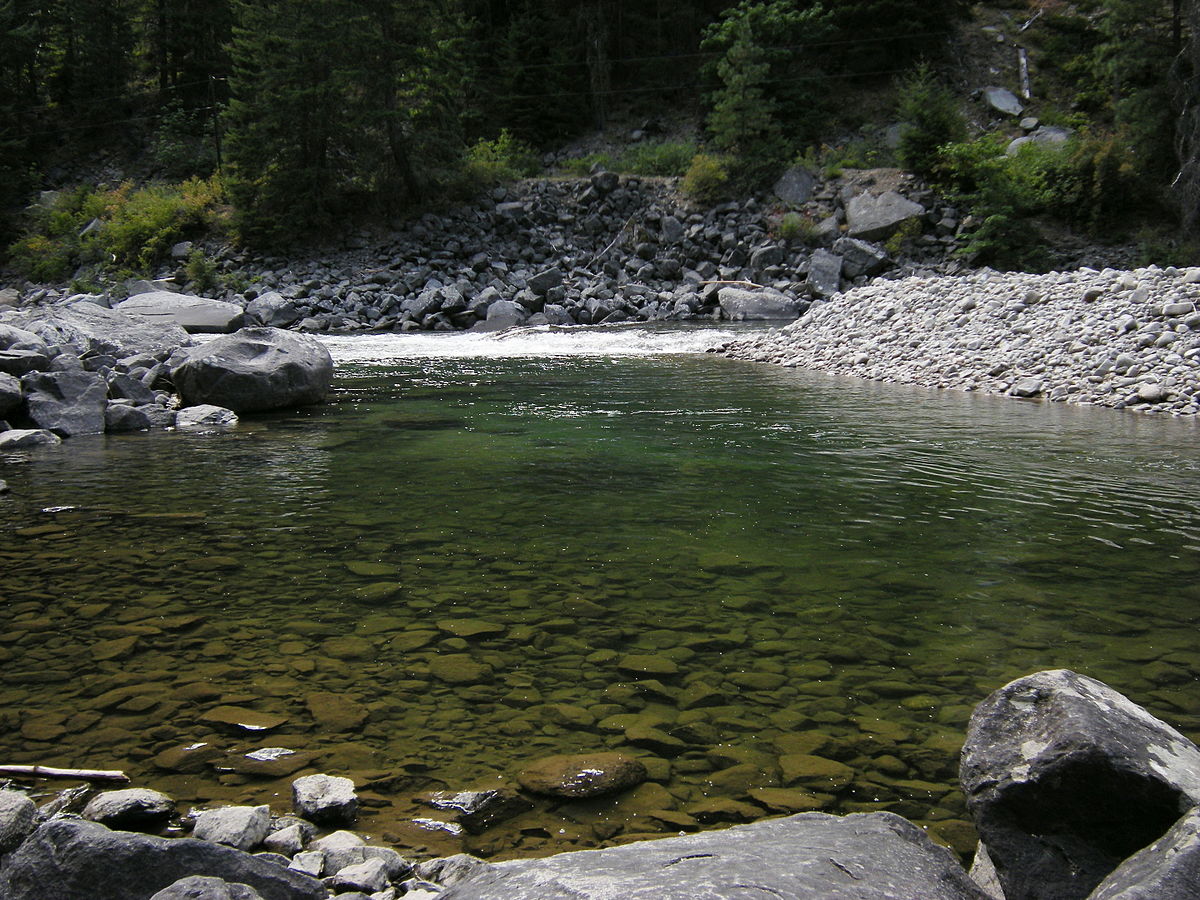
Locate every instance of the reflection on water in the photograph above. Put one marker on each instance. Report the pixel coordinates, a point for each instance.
(444, 573)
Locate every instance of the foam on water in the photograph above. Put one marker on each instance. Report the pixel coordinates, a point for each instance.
(538, 341)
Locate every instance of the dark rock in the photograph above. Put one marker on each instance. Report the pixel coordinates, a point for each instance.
(159, 416)
(476, 811)
(136, 809)
(22, 362)
(824, 274)
(195, 315)
(542, 282)
(200, 887)
(121, 417)
(126, 387)
(766, 257)
(16, 819)
(605, 182)
(256, 369)
(273, 309)
(1169, 869)
(876, 856)
(585, 775)
(795, 186)
(10, 393)
(66, 403)
(24, 438)
(1065, 778)
(504, 314)
(74, 860)
(860, 257)
(325, 799)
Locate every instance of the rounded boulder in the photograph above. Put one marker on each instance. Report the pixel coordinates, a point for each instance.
(254, 370)
(586, 775)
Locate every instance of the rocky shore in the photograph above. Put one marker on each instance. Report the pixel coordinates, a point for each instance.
(1077, 794)
(1122, 339)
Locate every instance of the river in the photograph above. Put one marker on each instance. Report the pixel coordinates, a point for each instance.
(787, 589)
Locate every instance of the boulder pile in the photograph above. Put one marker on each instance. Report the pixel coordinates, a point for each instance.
(1076, 792)
(81, 369)
(1124, 339)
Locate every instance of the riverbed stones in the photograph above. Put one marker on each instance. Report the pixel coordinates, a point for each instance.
(243, 827)
(582, 776)
(477, 811)
(195, 315)
(335, 712)
(325, 799)
(1065, 778)
(876, 856)
(17, 814)
(459, 668)
(131, 809)
(244, 720)
(75, 860)
(256, 369)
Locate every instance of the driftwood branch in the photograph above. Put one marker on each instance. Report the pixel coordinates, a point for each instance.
(77, 774)
(747, 283)
(620, 234)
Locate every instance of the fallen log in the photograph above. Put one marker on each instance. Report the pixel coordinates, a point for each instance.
(78, 774)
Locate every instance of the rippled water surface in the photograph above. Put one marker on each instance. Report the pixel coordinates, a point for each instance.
(786, 591)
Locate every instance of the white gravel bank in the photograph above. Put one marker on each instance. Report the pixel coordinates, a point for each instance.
(1111, 338)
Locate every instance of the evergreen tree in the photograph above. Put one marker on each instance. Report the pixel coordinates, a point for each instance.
(19, 100)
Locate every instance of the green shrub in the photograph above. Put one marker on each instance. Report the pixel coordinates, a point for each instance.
(124, 229)
(201, 272)
(580, 166)
(658, 158)
(706, 178)
(794, 227)
(931, 119)
(505, 159)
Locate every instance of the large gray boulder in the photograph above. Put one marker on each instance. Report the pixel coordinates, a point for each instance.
(67, 403)
(24, 438)
(739, 304)
(860, 257)
(325, 799)
(1169, 869)
(74, 860)
(256, 369)
(88, 327)
(11, 336)
(195, 315)
(875, 856)
(1065, 778)
(243, 827)
(873, 217)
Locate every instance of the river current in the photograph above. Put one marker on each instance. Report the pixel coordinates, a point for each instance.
(785, 590)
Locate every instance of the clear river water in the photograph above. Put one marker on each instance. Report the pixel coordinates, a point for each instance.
(785, 591)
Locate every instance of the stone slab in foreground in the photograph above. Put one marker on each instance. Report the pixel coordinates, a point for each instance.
(72, 860)
(870, 856)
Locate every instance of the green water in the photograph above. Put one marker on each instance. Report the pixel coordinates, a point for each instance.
(467, 551)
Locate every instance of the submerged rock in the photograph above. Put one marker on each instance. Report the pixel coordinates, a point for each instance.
(587, 775)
